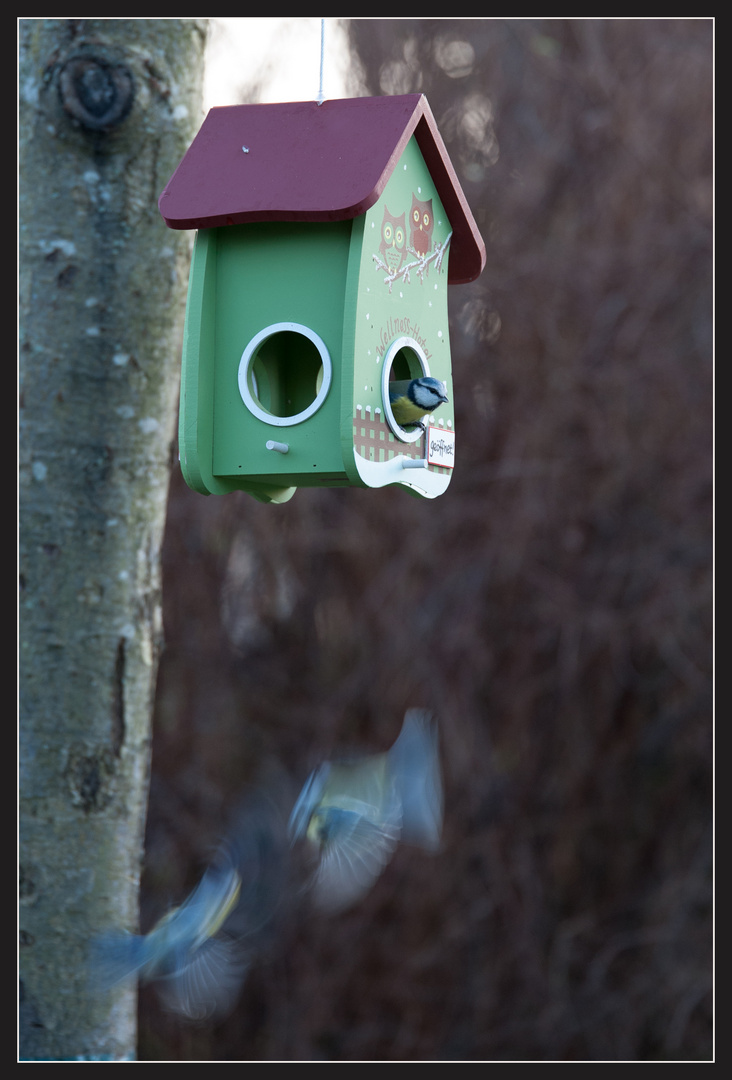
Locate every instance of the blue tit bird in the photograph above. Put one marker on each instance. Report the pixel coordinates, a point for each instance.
(198, 967)
(410, 400)
(353, 813)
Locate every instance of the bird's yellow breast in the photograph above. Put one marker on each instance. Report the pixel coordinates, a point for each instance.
(405, 411)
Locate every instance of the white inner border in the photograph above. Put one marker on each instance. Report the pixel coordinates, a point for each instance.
(247, 359)
(409, 436)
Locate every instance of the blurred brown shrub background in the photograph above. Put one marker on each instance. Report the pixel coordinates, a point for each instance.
(554, 607)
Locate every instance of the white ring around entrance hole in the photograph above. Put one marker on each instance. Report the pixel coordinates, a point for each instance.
(408, 435)
(249, 356)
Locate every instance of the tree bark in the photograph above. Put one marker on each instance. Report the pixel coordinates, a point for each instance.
(107, 109)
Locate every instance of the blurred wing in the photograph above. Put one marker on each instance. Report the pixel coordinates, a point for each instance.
(415, 765)
(356, 852)
(207, 985)
(204, 912)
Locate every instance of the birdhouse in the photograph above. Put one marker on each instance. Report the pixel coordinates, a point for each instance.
(326, 238)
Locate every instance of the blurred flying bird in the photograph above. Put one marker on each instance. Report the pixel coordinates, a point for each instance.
(411, 400)
(199, 967)
(198, 954)
(354, 812)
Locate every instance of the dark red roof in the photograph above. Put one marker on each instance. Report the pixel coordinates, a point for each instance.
(310, 162)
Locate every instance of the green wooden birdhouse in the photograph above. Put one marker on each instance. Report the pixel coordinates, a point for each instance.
(327, 237)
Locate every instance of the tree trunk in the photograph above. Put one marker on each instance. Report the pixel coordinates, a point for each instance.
(107, 109)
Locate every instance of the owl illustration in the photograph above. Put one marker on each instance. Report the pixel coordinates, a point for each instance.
(393, 246)
(421, 223)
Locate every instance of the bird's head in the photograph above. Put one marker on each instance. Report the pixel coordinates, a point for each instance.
(427, 393)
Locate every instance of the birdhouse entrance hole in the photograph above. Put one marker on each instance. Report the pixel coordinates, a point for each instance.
(404, 359)
(285, 374)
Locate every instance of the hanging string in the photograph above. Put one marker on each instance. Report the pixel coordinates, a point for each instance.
(322, 44)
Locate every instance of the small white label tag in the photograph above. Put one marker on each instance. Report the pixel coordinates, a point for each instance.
(441, 447)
